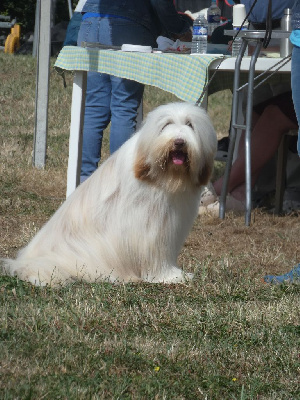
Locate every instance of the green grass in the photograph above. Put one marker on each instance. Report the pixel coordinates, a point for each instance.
(149, 341)
(225, 335)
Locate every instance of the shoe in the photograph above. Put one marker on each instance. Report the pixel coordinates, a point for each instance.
(208, 195)
(232, 204)
(290, 277)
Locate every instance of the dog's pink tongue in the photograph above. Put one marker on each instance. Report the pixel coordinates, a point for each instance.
(178, 158)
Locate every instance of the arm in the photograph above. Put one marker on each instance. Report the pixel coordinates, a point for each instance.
(177, 26)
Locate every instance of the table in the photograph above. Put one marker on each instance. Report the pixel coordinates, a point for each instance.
(183, 75)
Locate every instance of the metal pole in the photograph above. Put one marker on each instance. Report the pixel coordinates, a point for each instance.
(248, 131)
(233, 129)
(42, 84)
(36, 28)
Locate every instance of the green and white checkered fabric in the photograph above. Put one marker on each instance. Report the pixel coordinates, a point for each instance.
(181, 74)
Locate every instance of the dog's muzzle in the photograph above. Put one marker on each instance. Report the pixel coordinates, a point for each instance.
(178, 154)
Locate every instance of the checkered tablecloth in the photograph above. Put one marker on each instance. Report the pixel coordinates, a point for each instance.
(181, 74)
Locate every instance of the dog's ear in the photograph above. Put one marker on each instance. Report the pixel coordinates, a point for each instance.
(142, 169)
(205, 172)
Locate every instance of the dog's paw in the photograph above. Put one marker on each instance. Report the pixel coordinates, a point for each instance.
(172, 275)
(188, 276)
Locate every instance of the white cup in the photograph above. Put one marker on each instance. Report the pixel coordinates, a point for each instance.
(239, 14)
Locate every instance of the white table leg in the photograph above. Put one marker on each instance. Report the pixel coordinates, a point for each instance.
(204, 102)
(75, 141)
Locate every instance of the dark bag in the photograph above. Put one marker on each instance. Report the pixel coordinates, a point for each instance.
(73, 29)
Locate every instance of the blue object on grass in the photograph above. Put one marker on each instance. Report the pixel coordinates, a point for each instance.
(290, 277)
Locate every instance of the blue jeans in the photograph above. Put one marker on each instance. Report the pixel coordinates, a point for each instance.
(295, 72)
(108, 98)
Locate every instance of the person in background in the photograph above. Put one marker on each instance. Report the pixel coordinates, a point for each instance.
(258, 15)
(110, 99)
(270, 120)
(257, 19)
(295, 70)
(293, 276)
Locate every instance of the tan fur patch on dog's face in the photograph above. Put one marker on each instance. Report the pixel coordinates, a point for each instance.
(142, 169)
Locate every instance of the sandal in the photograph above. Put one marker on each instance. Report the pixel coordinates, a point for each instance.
(232, 204)
(208, 195)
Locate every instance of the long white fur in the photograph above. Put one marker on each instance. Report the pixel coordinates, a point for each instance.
(129, 220)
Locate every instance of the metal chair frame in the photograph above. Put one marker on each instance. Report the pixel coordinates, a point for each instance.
(247, 36)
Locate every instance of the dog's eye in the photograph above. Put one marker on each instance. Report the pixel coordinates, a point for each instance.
(168, 123)
(189, 124)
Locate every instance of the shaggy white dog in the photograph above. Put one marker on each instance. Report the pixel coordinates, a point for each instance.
(129, 220)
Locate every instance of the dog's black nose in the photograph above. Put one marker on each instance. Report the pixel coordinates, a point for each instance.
(179, 143)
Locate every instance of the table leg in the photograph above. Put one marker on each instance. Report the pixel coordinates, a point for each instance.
(76, 128)
(248, 132)
(247, 127)
(204, 102)
(233, 129)
(139, 117)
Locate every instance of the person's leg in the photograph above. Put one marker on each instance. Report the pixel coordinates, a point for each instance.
(265, 139)
(96, 119)
(292, 276)
(126, 94)
(295, 78)
(97, 104)
(125, 100)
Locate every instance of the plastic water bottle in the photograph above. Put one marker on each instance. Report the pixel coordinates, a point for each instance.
(213, 17)
(236, 45)
(199, 41)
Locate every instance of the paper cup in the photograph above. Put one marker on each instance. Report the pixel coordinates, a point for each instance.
(137, 48)
(239, 14)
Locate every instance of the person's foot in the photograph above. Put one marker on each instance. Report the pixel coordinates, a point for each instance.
(232, 204)
(208, 195)
(290, 277)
